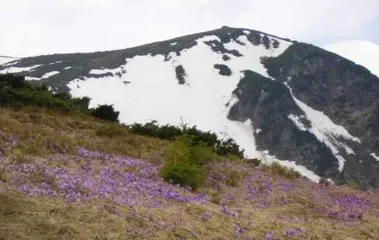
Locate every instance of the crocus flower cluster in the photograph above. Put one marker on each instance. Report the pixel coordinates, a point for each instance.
(127, 181)
(349, 207)
(258, 190)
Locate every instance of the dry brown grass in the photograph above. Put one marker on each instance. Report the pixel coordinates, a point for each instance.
(41, 132)
(45, 218)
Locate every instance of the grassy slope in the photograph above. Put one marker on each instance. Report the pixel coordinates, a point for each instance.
(240, 202)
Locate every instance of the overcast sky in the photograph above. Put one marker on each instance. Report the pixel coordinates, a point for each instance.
(34, 27)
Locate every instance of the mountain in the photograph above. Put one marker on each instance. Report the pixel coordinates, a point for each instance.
(361, 52)
(281, 100)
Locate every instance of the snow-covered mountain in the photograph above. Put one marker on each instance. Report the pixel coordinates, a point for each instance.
(361, 52)
(280, 100)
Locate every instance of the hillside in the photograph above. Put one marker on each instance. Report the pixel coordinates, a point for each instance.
(280, 100)
(66, 175)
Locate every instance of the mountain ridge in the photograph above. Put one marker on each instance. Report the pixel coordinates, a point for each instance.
(190, 35)
(362, 52)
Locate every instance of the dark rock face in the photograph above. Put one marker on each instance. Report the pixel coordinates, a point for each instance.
(219, 48)
(225, 57)
(268, 104)
(180, 74)
(347, 93)
(223, 69)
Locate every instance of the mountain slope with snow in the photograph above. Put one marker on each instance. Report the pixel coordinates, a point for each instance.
(6, 59)
(361, 52)
(280, 100)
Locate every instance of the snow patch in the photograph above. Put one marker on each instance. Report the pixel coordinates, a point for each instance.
(246, 32)
(46, 75)
(205, 102)
(326, 131)
(341, 161)
(258, 131)
(251, 59)
(66, 68)
(55, 62)
(233, 100)
(208, 38)
(244, 132)
(4, 60)
(49, 74)
(19, 69)
(269, 159)
(107, 70)
(173, 44)
(27, 78)
(375, 156)
(296, 120)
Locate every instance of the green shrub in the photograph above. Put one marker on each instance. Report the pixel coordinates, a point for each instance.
(227, 147)
(16, 92)
(62, 95)
(105, 112)
(254, 162)
(178, 167)
(12, 81)
(152, 129)
(278, 169)
(185, 161)
(201, 155)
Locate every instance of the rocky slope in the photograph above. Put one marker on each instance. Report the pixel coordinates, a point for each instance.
(279, 99)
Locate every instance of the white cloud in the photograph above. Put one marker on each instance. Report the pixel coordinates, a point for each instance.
(48, 26)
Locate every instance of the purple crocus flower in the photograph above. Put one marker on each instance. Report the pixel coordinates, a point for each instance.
(269, 236)
(237, 229)
(292, 232)
(205, 216)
